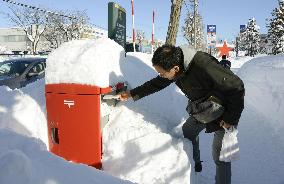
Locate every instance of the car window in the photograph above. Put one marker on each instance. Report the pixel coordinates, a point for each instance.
(5, 68)
(13, 68)
(37, 69)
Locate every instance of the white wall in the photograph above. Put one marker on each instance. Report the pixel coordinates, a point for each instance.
(13, 39)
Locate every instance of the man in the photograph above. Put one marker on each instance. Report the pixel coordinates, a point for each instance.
(225, 63)
(198, 75)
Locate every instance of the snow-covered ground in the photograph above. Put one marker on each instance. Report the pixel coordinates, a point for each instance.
(142, 141)
(237, 62)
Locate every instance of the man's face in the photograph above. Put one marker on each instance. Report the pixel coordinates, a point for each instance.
(169, 74)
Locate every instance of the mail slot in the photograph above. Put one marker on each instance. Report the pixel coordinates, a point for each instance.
(74, 122)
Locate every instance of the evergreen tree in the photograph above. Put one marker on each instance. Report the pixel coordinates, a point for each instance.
(251, 38)
(240, 40)
(188, 31)
(276, 29)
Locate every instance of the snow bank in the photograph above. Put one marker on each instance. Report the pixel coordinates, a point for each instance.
(237, 62)
(25, 160)
(23, 111)
(92, 62)
(135, 149)
(263, 78)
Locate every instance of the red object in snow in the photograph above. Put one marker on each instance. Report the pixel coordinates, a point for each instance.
(73, 117)
(224, 50)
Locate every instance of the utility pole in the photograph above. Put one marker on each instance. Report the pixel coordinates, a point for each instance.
(174, 22)
(133, 29)
(237, 46)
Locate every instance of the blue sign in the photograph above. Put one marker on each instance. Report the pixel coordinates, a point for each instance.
(211, 28)
(242, 28)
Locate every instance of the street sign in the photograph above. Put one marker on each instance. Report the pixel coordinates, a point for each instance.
(211, 29)
(242, 28)
(117, 23)
(211, 35)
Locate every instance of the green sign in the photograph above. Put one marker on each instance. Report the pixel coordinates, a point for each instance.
(117, 23)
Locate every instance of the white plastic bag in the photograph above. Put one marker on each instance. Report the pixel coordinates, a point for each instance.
(230, 150)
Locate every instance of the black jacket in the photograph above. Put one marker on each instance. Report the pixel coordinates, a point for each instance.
(203, 77)
(225, 63)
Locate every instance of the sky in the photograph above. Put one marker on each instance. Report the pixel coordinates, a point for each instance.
(142, 140)
(227, 15)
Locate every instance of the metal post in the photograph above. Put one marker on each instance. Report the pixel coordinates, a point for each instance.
(133, 30)
(237, 46)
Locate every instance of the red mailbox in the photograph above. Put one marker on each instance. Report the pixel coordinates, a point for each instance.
(73, 116)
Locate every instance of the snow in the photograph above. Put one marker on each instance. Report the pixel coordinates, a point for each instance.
(24, 110)
(262, 83)
(85, 62)
(142, 141)
(25, 160)
(4, 50)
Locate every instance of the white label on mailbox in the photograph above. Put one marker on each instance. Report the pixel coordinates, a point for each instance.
(69, 103)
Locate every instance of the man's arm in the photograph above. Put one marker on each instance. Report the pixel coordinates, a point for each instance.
(156, 84)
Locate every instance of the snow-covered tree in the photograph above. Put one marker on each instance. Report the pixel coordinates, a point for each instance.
(263, 45)
(61, 29)
(77, 26)
(140, 37)
(251, 38)
(241, 41)
(31, 21)
(188, 31)
(53, 33)
(276, 28)
(54, 28)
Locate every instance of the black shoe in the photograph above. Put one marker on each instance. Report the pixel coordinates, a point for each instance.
(198, 166)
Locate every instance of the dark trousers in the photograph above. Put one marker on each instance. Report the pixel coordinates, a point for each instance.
(191, 129)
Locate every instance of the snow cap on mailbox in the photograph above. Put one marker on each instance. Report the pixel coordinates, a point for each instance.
(90, 62)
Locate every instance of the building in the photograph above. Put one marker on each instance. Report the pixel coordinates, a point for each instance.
(95, 33)
(14, 39)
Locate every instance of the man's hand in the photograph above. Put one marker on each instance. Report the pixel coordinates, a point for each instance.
(225, 125)
(125, 95)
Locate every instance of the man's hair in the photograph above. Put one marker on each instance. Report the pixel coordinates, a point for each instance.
(224, 56)
(168, 56)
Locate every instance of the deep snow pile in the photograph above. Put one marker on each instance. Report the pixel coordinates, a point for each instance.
(237, 62)
(25, 160)
(93, 62)
(23, 111)
(264, 82)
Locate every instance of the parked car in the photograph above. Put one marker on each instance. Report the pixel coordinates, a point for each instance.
(17, 73)
(129, 47)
